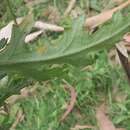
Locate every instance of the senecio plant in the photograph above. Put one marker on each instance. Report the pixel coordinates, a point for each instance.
(48, 61)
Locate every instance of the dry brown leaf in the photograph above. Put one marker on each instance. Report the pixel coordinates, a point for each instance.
(123, 56)
(113, 55)
(101, 18)
(103, 121)
(70, 7)
(82, 127)
(127, 38)
(127, 45)
(25, 92)
(121, 47)
(13, 99)
(71, 104)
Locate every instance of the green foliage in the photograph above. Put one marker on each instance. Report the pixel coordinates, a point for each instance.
(73, 45)
(2, 9)
(9, 86)
(59, 55)
(44, 110)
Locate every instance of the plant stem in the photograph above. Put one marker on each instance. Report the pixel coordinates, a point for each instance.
(11, 11)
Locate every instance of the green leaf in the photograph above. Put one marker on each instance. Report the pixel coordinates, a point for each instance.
(72, 47)
(3, 43)
(13, 86)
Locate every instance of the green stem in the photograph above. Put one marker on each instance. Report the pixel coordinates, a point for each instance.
(11, 11)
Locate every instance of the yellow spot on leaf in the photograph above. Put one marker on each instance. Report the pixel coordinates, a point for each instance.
(41, 50)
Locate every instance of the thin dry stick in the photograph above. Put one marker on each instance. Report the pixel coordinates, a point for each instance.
(82, 127)
(19, 118)
(70, 7)
(97, 20)
(72, 100)
(34, 3)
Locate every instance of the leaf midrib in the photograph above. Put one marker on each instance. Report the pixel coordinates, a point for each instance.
(54, 57)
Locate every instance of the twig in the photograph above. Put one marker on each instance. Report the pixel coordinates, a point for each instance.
(72, 100)
(70, 7)
(82, 127)
(19, 118)
(34, 2)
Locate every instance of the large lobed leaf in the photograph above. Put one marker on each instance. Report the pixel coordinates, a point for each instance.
(71, 47)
